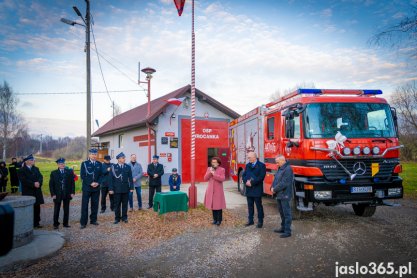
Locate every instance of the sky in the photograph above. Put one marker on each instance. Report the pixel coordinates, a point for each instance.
(245, 51)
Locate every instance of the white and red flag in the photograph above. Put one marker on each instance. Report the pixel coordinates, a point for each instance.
(175, 101)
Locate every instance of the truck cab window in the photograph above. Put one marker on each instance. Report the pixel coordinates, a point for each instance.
(292, 126)
(271, 128)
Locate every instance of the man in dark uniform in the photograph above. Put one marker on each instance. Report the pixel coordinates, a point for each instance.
(14, 180)
(31, 180)
(253, 177)
(90, 174)
(122, 183)
(105, 181)
(4, 176)
(155, 172)
(62, 188)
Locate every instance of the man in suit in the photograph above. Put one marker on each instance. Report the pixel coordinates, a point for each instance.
(283, 187)
(62, 188)
(121, 185)
(253, 177)
(90, 175)
(14, 180)
(105, 182)
(31, 180)
(137, 174)
(155, 172)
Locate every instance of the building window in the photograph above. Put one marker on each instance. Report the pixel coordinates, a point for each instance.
(121, 140)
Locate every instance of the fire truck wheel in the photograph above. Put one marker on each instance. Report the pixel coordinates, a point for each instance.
(240, 184)
(364, 210)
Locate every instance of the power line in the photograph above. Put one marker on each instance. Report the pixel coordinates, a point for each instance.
(80, 93)
(102, 54)
(99, 64)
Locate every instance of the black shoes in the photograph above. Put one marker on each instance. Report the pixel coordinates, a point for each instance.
(150, 207)
(125, 221)
(249, 224)
(94, 223)
(67, 226)
(56, 227)
(214, 222)
(218, 223)
(259, 225)
(285, 235)
(38, 226)
(116, 222)
(82, 227)
(279, 231)
(102, 211)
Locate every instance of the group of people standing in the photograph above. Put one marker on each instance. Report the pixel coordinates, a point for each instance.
(253, 179)
(12, 172)
(120, 180)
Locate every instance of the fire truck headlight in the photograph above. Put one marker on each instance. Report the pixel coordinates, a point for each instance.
(375, 150)
(366, 150)
(322, 195)
(346, 151)
(394, 191)
(357, 151)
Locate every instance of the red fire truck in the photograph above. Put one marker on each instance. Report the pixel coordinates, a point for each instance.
(342, 146)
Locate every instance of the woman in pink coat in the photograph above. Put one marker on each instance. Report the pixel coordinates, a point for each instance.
(214, 198)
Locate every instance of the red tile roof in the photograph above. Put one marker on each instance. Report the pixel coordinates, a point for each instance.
(136, 117)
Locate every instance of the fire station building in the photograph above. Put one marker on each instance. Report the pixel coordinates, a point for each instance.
(171, 133)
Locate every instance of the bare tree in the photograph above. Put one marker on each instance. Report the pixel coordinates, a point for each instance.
(279, 93)
(116, 109)
(10, 120)
(404, 99)
(401, 35)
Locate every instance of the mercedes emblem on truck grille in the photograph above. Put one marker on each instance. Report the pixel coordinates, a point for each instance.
(359, 168)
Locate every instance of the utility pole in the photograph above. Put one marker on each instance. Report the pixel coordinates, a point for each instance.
(87, 26)
(87, 47)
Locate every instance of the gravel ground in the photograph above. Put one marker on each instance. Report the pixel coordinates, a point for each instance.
(191, 247)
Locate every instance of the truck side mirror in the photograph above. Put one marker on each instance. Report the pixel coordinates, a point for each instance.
(291, 144)
(395, 118)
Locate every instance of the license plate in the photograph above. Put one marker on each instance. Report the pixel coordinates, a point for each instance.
(361, 189)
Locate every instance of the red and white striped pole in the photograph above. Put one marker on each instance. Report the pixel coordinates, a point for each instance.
(192, 191)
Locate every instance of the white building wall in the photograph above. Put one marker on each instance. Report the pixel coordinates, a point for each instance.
(203, 110)
(129, 146)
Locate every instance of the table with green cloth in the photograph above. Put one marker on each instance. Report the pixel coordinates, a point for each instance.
(170, 201)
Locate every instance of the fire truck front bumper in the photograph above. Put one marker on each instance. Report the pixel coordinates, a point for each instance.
(350, 192)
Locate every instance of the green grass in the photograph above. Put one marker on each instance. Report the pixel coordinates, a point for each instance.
(409, 176)
(46, 166)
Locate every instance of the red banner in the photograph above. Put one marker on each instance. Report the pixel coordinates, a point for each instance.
(179, 4)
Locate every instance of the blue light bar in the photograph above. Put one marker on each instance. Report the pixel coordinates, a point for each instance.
(309, 91)
(372, 92)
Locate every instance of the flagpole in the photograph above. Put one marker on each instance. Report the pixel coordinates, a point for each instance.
(192, 192)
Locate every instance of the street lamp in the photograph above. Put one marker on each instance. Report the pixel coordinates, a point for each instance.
(148, 71)
(88, 61)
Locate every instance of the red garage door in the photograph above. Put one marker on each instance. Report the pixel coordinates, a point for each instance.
(209, 135)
